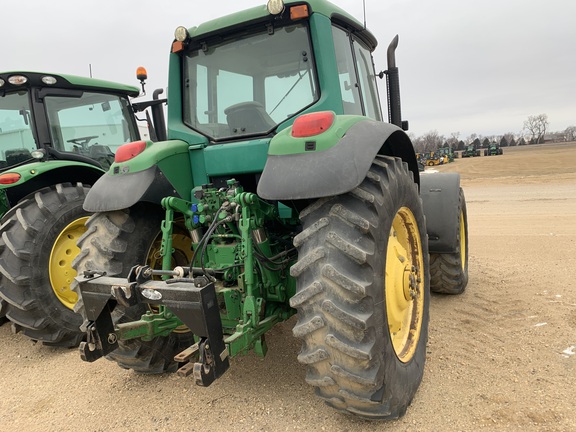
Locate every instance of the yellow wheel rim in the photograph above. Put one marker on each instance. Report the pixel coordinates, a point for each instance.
(60, 268)
(404, 284)
(462, 241)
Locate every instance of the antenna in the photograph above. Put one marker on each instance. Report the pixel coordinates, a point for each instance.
(90, 67)
(364, 8)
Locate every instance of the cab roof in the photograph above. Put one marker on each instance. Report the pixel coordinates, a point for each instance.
(257, 13)
(69, 82)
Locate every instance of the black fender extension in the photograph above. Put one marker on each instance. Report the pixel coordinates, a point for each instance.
(337, 170)
(116, 192)
(440, 193)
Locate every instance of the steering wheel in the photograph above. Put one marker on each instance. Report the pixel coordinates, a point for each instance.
(82, 142)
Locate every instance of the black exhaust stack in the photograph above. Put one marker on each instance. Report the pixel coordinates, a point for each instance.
(393, 87)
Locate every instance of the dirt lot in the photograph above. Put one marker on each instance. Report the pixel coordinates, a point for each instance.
(502, 356)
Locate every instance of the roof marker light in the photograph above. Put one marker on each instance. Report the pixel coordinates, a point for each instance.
(299, 12)
(275, 7)
(2, 82)
(17, 79)
(181, 33)
(48, 80)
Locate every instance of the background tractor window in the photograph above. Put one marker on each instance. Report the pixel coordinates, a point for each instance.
(16, 138)
(91, 123)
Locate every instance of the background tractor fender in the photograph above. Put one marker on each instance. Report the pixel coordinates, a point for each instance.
(440, 194)
(337, 170)
(43, 174)
(116, 192)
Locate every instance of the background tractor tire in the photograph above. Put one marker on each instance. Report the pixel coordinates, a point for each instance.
(114, 243)
(363, 293)
(37, 246)
(449, 272)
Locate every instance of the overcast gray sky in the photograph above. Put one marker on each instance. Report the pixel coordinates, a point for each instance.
(465, 66)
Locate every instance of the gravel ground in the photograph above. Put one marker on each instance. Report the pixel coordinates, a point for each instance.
(501, 356)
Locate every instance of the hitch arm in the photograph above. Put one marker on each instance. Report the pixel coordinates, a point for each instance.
(194, 302)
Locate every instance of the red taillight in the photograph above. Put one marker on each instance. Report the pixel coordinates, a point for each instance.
(312, 124)
(130, 150)
(9, 178)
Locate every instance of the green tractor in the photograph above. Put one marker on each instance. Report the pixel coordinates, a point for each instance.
(494, 150)
(280, 192)
(58, 135)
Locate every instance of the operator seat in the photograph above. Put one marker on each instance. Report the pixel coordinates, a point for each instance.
(247, 118)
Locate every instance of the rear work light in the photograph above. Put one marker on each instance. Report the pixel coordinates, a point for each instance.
(312, 124)
(129, 151)
(9, 178)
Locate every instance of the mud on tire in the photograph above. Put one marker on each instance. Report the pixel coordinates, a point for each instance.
(114, 242)
(347, 278)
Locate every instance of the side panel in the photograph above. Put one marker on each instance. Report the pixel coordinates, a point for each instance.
(335, 170)
(440, 193)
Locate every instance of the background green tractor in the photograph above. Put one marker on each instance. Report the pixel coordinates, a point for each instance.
(472, 151)
(294, 198)
(494, 150)
(58, 135)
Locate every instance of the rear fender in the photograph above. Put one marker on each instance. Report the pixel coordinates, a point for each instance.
(440, 194)
(162, 169)
(331, 163)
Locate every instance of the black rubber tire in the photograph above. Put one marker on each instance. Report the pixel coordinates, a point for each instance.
(449, 272)
(114, 243)
(29, 231)
(3, 308)
(341, 301)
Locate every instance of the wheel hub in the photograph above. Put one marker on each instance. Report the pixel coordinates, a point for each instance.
(64, 250)
(403, 284)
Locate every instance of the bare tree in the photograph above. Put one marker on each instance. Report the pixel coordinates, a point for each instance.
(570, 133)
(536, 126)
(453, 140)
(432, 140)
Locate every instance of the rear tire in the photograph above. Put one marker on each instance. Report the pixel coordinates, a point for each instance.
(363, 294)
(449, 272)
(114, 243)
(37, 246)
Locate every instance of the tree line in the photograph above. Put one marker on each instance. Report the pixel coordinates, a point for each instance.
(534, 132)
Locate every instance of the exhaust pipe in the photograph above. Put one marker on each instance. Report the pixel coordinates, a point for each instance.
(393, 87)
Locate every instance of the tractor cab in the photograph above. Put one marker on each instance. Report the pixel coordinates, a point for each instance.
(251, 79)
(47, 116)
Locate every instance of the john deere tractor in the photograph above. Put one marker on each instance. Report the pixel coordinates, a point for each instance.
(279, 192)
(58, 135)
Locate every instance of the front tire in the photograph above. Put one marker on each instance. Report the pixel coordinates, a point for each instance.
(449, 271)
(114, 243)
(363, 294)
(37, 246)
